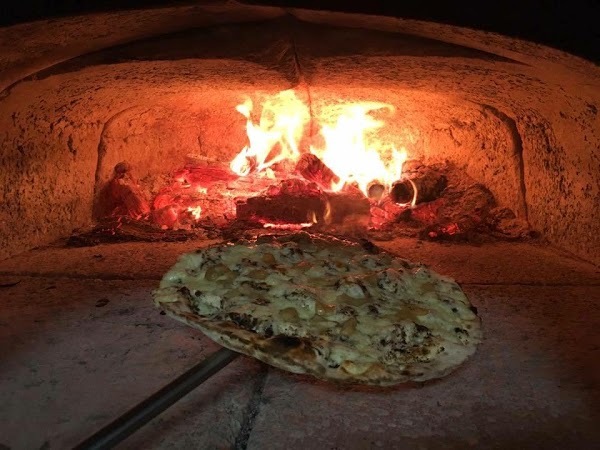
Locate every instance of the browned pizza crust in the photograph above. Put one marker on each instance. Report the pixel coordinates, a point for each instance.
(409, 339)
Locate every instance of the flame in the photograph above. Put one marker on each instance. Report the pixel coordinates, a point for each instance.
(276, 136)
(196, 211)
(281, 124)
(327, 213)
(413, 202)
(347, 154)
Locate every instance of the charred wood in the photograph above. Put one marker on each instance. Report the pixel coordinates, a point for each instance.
(375, 190)
(281, 208)
(429, 184)
(311, 168)
(295, 201)
(342, 205)
(126, 229)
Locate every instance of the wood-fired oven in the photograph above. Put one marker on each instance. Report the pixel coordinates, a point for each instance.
(130, 137)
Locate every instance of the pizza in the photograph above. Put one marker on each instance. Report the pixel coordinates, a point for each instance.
(336, 309)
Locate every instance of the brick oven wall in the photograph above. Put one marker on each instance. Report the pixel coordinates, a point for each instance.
(519, 118)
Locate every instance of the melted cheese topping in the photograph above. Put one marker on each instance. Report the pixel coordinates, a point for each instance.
(359, 310)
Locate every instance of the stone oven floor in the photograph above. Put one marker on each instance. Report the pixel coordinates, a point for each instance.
(81, 343)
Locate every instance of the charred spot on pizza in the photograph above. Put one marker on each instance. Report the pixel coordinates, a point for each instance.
(369, 246)
(268, 331)
(422, 329)
(247, 262)
(347, 311)
(405, 342)
(245, 321)
(194, 307)
(373, 309)
(303, 297)
(370, 262)
(186, 293)
(473, 309)
(256, 285)
(280, 344)
(405, 264)
(463, 335)
(287, 342)
(389, 280)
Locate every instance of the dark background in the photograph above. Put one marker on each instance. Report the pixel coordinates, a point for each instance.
(568, 25)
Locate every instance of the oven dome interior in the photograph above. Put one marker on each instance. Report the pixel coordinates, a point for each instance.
(519, 118)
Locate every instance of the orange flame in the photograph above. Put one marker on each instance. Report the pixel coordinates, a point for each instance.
(281, 124)
(346, 152)
(327, 213)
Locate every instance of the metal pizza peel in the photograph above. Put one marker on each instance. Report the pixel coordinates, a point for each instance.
(144, 412)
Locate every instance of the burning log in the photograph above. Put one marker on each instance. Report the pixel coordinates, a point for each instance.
(294, 187)
(297, 202)
(341, 205)
(346, 214)
(461, 215)
(313, 169)
(282, 208)
(375, 190)
(427, 182)
(421, 185)
(292, 201)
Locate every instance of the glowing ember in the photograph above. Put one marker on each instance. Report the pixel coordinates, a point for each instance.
(287, 226)
(276, 137)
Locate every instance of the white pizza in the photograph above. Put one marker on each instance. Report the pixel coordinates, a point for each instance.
(339, 310)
